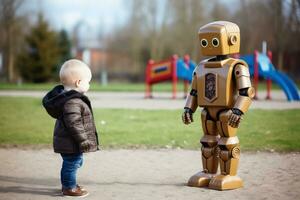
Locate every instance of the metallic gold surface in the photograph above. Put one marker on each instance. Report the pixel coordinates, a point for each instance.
(209, 143)
(211, 127)
(243, 103)
(228, 141)
(222, 84)
(209, 160)
(228, 163)
(213, 111)
(242, 76)
(241, 70)
(225, 83)
(243, 82)
(204, 114)
(251, 92)
(191, 102)
(228, 35)
(223, 127)
(210, 140)
(200, 179)
(194, 81)
(225, 182)
(236, 152)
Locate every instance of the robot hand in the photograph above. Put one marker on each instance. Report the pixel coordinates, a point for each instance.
(235, 117)
(187, 116)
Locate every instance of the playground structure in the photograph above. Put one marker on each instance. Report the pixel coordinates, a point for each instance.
(169, 70)
(260, 65)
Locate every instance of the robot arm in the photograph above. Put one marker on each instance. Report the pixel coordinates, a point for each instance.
(191, 103)
(246, 91)
(245, 95)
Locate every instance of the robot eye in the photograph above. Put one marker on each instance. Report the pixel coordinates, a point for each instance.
(204, 43)
(215, 42)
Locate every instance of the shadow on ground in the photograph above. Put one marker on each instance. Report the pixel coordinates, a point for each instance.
(48, 186)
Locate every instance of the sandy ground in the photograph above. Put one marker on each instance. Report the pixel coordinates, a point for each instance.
(135, 100)
(144, 174)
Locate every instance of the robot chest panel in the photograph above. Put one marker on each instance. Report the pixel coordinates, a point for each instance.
(215, 86)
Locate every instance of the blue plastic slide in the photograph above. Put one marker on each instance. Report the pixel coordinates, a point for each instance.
(267, 70)
(185, 72)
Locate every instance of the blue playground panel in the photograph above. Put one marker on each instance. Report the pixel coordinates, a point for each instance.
(267, 70)
(183, 71)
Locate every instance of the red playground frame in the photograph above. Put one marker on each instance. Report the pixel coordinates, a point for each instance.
(159, 72)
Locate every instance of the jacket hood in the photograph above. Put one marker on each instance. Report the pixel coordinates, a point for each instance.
(56, 98)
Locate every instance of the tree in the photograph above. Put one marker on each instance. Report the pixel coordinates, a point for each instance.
(135, 33)
(286, 16)
(274, 21)
(256, 23)
(219, 12)
(157, 29)
(64, 44)
(41, 55)
(187, 16)
(11, 35)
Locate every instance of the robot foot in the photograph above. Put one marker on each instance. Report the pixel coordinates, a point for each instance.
(225, 182)
(200, 179)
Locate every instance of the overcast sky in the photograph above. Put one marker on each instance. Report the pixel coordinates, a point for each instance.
(66, 13)
(95, 12)
(96, 16)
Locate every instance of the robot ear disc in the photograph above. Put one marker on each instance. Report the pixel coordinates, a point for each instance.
(233, 39)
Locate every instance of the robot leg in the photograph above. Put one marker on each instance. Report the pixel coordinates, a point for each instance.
(209, 153)
(229, 156)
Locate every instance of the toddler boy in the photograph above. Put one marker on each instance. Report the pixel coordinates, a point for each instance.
(75, 131)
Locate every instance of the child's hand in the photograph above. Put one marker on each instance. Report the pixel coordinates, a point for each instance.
(85, 146)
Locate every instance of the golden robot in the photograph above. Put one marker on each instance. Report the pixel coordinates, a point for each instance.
(222, 86)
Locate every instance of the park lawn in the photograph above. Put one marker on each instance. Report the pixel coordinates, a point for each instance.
(95, 86)
(23, 121)
(113, 87)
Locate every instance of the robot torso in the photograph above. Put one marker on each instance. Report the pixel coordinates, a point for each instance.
(216, 83)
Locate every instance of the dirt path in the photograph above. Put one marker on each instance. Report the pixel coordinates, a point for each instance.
(162, 100)
(144, 174)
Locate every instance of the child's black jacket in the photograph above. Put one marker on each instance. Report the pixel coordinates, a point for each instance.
(75, 130)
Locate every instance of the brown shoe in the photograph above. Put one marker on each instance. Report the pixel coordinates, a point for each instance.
(81, 187)
(78, 186)
(75, 192)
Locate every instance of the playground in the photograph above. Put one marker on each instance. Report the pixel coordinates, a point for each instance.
(132, 63)
(157, 160)
(161, 100)
(260, 67)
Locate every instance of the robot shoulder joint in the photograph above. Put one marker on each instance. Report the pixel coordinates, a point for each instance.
(241, 70)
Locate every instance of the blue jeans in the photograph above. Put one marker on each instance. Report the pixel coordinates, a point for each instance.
(71, 162)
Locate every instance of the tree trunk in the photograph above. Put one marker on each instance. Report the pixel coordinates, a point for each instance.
(10, 63)
(11, 71)
(280, 61)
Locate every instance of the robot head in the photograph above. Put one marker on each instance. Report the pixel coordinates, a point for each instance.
(219, 38)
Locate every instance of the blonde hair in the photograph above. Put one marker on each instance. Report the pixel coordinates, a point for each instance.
(73, 70)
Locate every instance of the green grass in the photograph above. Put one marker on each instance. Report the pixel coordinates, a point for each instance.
(24, 121)
(117, 87)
